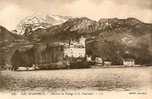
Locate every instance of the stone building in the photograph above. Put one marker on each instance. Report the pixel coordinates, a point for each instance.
(128, 59)
(75, 49)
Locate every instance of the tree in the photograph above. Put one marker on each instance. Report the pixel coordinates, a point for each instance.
(107, 50)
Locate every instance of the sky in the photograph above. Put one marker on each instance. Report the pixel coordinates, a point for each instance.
(12, 11)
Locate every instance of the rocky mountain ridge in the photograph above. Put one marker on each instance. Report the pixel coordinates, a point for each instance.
(108, 38)
(36, 22)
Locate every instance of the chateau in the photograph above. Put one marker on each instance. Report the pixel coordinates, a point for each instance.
(75, 49)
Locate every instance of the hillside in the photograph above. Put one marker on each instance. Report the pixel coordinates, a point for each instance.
(104, 36)
(5, 35)
(72, 28)
(84, 26)
(8, 43)
(109, 38)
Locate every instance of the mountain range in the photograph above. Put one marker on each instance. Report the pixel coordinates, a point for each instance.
(35, 22)
(109, 38)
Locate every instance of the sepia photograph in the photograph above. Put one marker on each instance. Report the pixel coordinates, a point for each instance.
(76, 48)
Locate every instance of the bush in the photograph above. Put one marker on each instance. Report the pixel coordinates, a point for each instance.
(78, 65)
(2, 82)
(58, 65)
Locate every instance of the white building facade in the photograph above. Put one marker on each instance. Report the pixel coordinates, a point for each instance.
(129, 62)
(76, 49)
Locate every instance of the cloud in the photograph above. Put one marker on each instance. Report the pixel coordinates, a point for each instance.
(135, 3)
(108, 8)
(9, 16)
(11, 11)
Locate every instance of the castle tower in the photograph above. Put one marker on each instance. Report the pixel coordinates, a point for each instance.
(82, 41)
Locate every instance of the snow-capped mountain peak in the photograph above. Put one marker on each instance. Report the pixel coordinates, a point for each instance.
(35, 22)
(57, 19)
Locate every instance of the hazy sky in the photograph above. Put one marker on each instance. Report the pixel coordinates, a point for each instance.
(12, 11)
